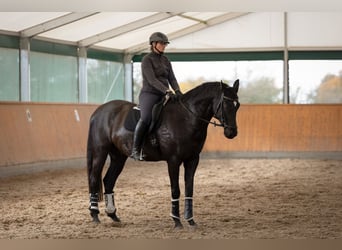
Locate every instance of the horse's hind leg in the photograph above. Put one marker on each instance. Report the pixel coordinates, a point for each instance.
(190, 167)
(117, 162)
(95, 184)
(173, 169)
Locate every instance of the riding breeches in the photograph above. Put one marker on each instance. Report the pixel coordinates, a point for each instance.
(146, 103)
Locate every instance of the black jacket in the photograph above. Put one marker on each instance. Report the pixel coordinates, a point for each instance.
(157, 74)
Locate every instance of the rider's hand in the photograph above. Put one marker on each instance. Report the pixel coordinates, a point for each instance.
(170, 95)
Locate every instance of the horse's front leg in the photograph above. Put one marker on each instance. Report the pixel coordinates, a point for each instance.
(173, 169)
(190, 167)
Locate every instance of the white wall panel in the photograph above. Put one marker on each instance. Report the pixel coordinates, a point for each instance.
(251, 31)
(318, 29)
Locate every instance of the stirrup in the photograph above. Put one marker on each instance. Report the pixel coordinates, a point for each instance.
(137, 156)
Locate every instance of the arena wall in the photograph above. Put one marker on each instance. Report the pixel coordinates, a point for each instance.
(282, 128)
(39, 132)
(36, 132)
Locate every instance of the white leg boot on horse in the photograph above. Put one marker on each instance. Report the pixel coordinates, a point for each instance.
(94, 207)
(188, 215)
(175, 213)
(110, 207)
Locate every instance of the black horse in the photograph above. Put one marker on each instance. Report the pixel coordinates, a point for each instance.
(179, 138)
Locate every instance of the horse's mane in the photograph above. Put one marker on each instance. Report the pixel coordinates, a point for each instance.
(204, 89)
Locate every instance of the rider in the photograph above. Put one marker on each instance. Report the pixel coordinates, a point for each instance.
(157, 76)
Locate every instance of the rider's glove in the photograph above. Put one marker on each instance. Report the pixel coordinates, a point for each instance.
(170, 95)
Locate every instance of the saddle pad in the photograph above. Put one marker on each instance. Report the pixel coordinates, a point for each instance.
(132, 119)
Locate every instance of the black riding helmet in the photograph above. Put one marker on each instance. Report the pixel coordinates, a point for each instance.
(158, 37)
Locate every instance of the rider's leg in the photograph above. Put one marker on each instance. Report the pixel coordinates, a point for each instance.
(139, 134)
(146, 101)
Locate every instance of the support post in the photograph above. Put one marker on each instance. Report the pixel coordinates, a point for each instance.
(128, 76)
(82, 75)
(286, 64)
(24, 57)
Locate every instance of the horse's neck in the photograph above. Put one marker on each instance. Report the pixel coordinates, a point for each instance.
(202, 106)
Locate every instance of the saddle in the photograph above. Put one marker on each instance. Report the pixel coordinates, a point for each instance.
(133, 116)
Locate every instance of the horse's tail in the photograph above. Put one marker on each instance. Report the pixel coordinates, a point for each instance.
(90, 163)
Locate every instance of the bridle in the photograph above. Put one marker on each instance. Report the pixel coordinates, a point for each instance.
(219, 105)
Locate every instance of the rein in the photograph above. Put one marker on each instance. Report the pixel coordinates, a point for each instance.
(222, 123)
(200, 118)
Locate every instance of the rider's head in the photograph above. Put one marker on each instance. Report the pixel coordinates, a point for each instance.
(158, 42)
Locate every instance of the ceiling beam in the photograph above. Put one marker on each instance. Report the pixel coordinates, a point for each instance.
(194, 28)
(55, 23)
(126, 28)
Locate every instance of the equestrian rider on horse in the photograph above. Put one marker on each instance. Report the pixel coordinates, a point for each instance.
(157, 76)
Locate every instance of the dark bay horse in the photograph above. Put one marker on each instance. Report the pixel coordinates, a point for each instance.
(180, 135)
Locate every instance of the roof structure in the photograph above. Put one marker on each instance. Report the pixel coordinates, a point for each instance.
(120, 31)
(128, 32)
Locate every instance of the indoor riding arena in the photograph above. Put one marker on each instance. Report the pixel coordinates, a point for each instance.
(279, 178)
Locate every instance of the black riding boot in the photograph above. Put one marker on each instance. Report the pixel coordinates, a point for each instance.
(139, 134)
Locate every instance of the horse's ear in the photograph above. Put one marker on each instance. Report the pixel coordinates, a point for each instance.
(236, 85)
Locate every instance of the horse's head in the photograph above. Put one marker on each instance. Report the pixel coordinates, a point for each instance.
(227, 108)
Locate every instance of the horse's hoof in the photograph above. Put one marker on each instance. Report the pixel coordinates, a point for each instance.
(96, 219)
(192, 224)
(114, 217)
(178, 226)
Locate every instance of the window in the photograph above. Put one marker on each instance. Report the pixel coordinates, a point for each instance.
(260, 81)
(315, 81)
(53, 78)
(9, 72)
(105, 81)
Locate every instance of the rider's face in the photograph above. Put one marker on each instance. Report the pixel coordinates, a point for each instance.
(160, 46)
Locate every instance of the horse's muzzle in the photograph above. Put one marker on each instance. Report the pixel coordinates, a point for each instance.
(230, 132)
